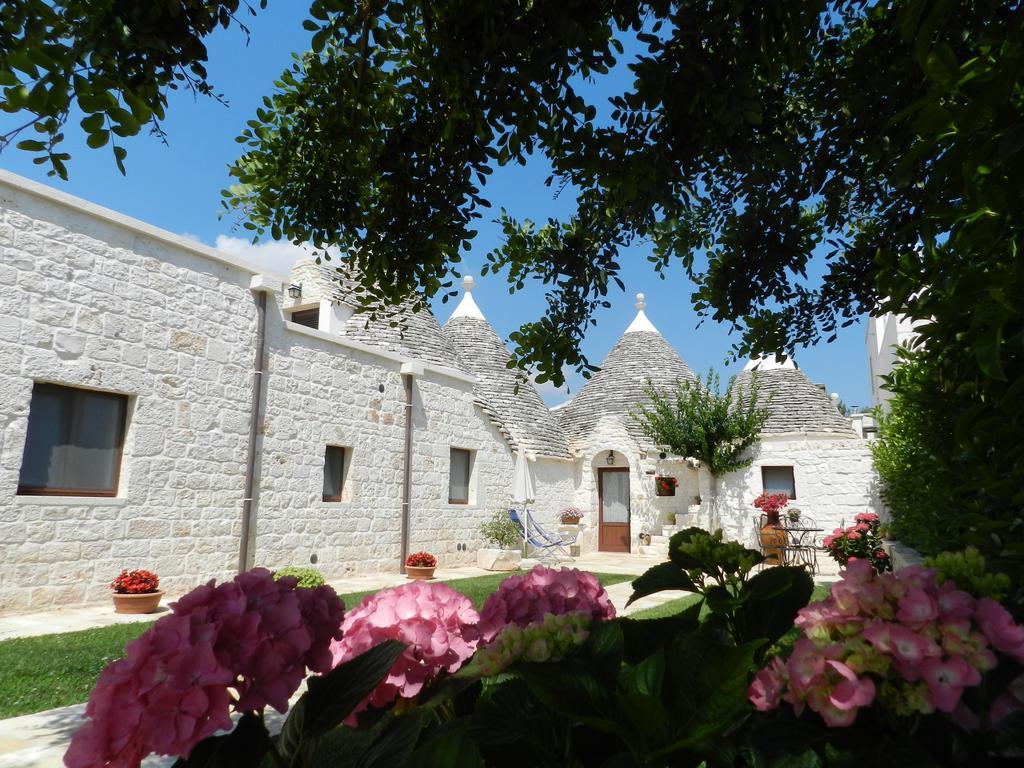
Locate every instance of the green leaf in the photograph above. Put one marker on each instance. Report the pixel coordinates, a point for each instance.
(664, 576)
(244, 747)
(332, 697)
(31, 145)
(395, 741)
(770, 601)
(98, 139)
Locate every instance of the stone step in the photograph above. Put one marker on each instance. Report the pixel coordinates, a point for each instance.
(658, 550)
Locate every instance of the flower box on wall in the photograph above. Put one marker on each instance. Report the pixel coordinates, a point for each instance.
(665, 485)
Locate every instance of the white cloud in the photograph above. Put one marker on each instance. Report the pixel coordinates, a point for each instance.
(274, 256)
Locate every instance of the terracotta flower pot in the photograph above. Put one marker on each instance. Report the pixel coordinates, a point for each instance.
(146, 602)
(570, 520)
(773, 540)
(419, 572)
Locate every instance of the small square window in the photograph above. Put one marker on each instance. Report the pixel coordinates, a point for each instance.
(74, 443)
(778, 480)
(459, 475)
(307, 317)
(334, 472)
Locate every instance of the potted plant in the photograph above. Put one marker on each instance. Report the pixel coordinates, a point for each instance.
(420, 565)
(136, 592)
(772, 535)
(505, 552)
(571, 515)
(665, 485)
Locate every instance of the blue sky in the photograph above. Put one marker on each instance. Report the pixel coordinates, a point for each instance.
(177, 187)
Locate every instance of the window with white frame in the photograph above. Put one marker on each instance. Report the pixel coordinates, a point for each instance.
(74, 443)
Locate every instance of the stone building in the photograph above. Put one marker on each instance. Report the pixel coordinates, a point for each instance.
(166, 406)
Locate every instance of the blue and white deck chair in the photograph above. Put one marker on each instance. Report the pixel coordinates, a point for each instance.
(546, 547)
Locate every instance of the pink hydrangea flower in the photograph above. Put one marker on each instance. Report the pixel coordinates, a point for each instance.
(438, 625)
(766, 689)
(523, 600)
(254, 635)
(1000, 629)
(917, 608)
(946, 680)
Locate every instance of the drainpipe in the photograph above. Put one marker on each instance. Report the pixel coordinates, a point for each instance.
(262, 286)
(409, 370)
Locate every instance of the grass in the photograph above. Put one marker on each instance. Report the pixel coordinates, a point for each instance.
(39, 673)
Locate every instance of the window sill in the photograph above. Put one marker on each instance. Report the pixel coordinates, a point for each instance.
(335, 504)
(69, 501)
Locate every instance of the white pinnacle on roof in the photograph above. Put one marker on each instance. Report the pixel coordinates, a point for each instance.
(769, 364)
(640, 322)
(467, 307)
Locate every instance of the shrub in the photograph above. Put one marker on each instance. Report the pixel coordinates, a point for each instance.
(951, 463)
(309, 578)
(501, 531)
(421, 560)
(135, 582)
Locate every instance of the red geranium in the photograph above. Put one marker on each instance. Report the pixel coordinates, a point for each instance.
(135, 582)
(666, 483)
(771, 503)
(421, 560)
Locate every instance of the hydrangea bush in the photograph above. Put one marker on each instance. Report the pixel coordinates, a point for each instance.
(903, 667)
(901, 640)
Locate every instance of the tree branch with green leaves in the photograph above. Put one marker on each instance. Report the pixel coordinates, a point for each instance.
(697, 420)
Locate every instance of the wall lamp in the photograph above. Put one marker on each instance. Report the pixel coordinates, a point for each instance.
(295, 290)
(610, 458)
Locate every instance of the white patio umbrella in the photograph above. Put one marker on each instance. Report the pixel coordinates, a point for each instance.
(522, 489)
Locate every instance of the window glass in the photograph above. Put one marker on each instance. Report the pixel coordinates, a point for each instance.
(307, 317)
(334, 472)
(779, 480)
(458, 482)
(74, 442)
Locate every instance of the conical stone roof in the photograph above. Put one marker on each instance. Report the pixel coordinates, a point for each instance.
(619, 387)
(520, 416)
(795, 404)
(413, 334)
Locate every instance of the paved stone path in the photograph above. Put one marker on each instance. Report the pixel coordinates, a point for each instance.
(40, 740)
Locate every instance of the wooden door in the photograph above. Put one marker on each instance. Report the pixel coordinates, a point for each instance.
(613, 505)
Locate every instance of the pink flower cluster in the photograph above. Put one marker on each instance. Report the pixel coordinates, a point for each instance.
(924, 643)
(253, 634)
(523, 600)
(436, 623)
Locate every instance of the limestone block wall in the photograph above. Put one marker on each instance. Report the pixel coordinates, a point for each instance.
(445, 416)
(321, 391)
(91, 299)
(834, 478)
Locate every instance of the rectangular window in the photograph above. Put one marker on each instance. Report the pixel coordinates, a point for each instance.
(307, 317)
(334, 473)
(459, 474)
(779, 480)
(74, 442)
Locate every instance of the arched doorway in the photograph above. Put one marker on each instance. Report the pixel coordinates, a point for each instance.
(613, 503)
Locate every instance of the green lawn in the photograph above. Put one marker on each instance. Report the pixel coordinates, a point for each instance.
(48, 671)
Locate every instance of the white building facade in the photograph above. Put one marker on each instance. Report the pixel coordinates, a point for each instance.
(165, 406)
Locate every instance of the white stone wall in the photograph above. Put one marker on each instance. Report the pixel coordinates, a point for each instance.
(88, 302)
(834, 479)
(321, 392)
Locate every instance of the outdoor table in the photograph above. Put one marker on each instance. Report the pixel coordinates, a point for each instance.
(800, 550)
